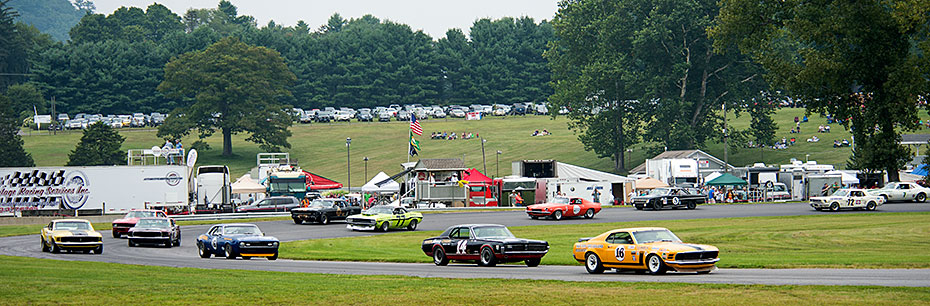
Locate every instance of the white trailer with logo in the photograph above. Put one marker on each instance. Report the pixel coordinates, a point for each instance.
(92, 189)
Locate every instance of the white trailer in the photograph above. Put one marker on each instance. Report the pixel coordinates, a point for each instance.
(110, 189)
(673, 171)
(213, 189)
(576, 188)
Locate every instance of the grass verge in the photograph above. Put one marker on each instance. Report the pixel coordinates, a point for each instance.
(886, 240)
(41, 281)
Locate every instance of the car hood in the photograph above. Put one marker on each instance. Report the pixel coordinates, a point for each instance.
(70, 233)
(252, 238)
(370, 216)
(307, 209)
(679, 247)
(514, 240)
(827, 198)
(126, 220)
(545, 205)
(149, 229)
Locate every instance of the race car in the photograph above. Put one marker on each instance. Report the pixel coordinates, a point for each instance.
(902, 191)
(488, 244)
(71, 235)
(560, 207)
(652, 249)
(673, 197)
(237, 240)
(324, 210)
(847, 199)
(384, 217)
(162, 231)
(121, 226)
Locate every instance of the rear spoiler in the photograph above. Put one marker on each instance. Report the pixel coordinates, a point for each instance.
(584, 239)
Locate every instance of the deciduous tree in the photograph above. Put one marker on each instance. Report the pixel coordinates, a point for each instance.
(99, 146)
(11, 144)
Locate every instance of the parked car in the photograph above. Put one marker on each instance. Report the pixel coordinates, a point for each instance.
(364, 115)
(403, 115)
(457, 113)
(384, 217)
(156, 119)
(847, 199)
(71, 235)
(560, 208)
(307, 117)
(902, 191)
(162, 231)
(122, 225)
(384, 116)
(324, 210)
(285, 203)
(488, 244)
(324, 116)
(138, 120)
(519, 109)
(438, 113)
(63, 117)
(674, 197)
(237, 240)
(652, 249)
(541, 109)
(342, 115)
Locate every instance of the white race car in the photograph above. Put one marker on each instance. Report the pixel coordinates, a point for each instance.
(847, 199)
(902, 191)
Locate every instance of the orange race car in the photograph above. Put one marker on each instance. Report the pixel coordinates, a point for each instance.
(652, 249)
(560, 208)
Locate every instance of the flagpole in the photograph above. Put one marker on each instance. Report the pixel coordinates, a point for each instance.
(409, 135)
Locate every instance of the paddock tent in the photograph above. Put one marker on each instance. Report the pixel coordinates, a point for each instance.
(389, 187)
(846, 177)
(245, 184)
(474, 176)
(726, 180)
(649, 183)
(316, 182)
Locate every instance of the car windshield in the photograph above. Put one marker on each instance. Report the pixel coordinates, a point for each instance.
(320, 203)
(383, 209)
(72, 225)
(243, 230)
(140, 214)
(560, 201)
(659, 191)
(152, 223)
(492, 232)
(655, 236)
(841, 193)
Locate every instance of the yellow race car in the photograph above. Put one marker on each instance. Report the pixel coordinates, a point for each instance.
(641, 249)
(71, 235)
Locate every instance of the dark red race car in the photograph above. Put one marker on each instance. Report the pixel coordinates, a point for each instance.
(122, 226)
(564, 207)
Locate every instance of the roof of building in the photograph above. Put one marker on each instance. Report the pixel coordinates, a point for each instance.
(440, 164)
(679, 154)
(915, 139)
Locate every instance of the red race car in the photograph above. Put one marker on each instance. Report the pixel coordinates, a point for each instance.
(122, 226)
(564, 207)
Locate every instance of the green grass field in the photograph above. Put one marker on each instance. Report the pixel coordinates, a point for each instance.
(887, 240)
(320, 148)
(26, 281)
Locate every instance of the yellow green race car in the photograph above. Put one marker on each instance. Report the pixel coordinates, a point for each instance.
(384, 218)
(71, 235)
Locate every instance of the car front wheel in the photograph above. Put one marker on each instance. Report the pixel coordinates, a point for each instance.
(384, 226)
(324, 219)
(44, 246)
(557, 215)
(273, 257)
(593, 264)
(835, 207)
(201, 250)
(532, 262)
(229, 252)
(655, 264)
(487, 258)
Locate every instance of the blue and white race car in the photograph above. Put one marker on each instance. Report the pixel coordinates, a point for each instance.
(237, 240)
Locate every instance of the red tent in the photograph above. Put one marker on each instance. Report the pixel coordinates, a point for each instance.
(473, 176)
(316, 182)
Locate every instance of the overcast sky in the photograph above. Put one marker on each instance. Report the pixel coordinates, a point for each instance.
(432, 16)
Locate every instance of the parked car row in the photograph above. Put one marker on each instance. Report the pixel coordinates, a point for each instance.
(396, 112)
(136, 120)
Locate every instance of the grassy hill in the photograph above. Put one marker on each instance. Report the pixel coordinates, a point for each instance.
(320, 148)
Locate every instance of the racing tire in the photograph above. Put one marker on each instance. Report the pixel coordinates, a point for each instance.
(227, 250)
(593, 264)
(639, 271)
(115, 234)
(44, 246)
(246, 257)
(871, 206)
(818, 209)
(557, 215)
(412, 226)
(487, 258)
(273, 257)
(534, 217)
(589, 213)
(703, 272)
(298, 221)
(439, 257)
(638, 207)
(98, 250)
(55, 248)
(201, 250)
(691, 205)
(324, 219)
(655, 205)
(532, 262)
(835, 207)
(385, 226)
(178, 241)
(921, 197)
(129, 242)
(655, 265)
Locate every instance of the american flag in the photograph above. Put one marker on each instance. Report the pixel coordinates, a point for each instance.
(415, 125)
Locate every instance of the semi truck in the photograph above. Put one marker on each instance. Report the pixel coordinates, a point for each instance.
(674, 172)
(213, 192)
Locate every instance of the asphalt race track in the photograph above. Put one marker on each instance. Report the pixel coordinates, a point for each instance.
(117, 251)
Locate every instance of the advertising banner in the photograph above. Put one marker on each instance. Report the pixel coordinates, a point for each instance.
(473, 116)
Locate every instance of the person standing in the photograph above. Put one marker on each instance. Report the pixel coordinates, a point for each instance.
(596, 195)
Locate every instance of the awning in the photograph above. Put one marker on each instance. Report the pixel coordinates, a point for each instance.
(571, 171)
(649, 183)
(372, 185)
(846, 177)
(474, 176)
(921, 170)
(316, 182)
(245, 184)
(726, 179)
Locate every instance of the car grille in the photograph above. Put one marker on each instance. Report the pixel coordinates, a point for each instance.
(535, 210)
(360, 221)
(79, 239)
(696, 255)
(122, 225)
(149, 234)
(257, 244)
(525, 247)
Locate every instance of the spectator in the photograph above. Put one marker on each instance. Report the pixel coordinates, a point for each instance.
(805, 119)
(536, 133)
(826, 128)
(796, 119)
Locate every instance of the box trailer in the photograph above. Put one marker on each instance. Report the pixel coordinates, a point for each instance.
(96, 189)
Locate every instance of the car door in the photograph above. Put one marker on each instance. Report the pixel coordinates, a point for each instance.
(339, 209)
(855, 198)
(399, 218)
(619, 249)
(574, 207)
(211, 242)
(458, 241)
(902, 192)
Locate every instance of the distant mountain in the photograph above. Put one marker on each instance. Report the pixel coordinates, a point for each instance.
(55, 17)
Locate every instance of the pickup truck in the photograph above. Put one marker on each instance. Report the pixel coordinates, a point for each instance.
(322, 211)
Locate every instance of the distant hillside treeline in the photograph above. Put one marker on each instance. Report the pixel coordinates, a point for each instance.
(54, 17)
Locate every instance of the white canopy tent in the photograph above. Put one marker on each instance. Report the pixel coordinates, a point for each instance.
(571, 171)
(245, 184)
(389, 187)
(847, 177)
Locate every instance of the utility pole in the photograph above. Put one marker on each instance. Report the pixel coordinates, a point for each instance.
(726, 141)
(483, 161)
(349, 162)
(499, 163)
(54, 118)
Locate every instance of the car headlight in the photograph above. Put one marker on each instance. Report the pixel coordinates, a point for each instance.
(243, 244)
(274, 243)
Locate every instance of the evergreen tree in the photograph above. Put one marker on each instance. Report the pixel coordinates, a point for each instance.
(11, 144)
(100, 146)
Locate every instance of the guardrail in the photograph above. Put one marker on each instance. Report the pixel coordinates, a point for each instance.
(231, 216)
